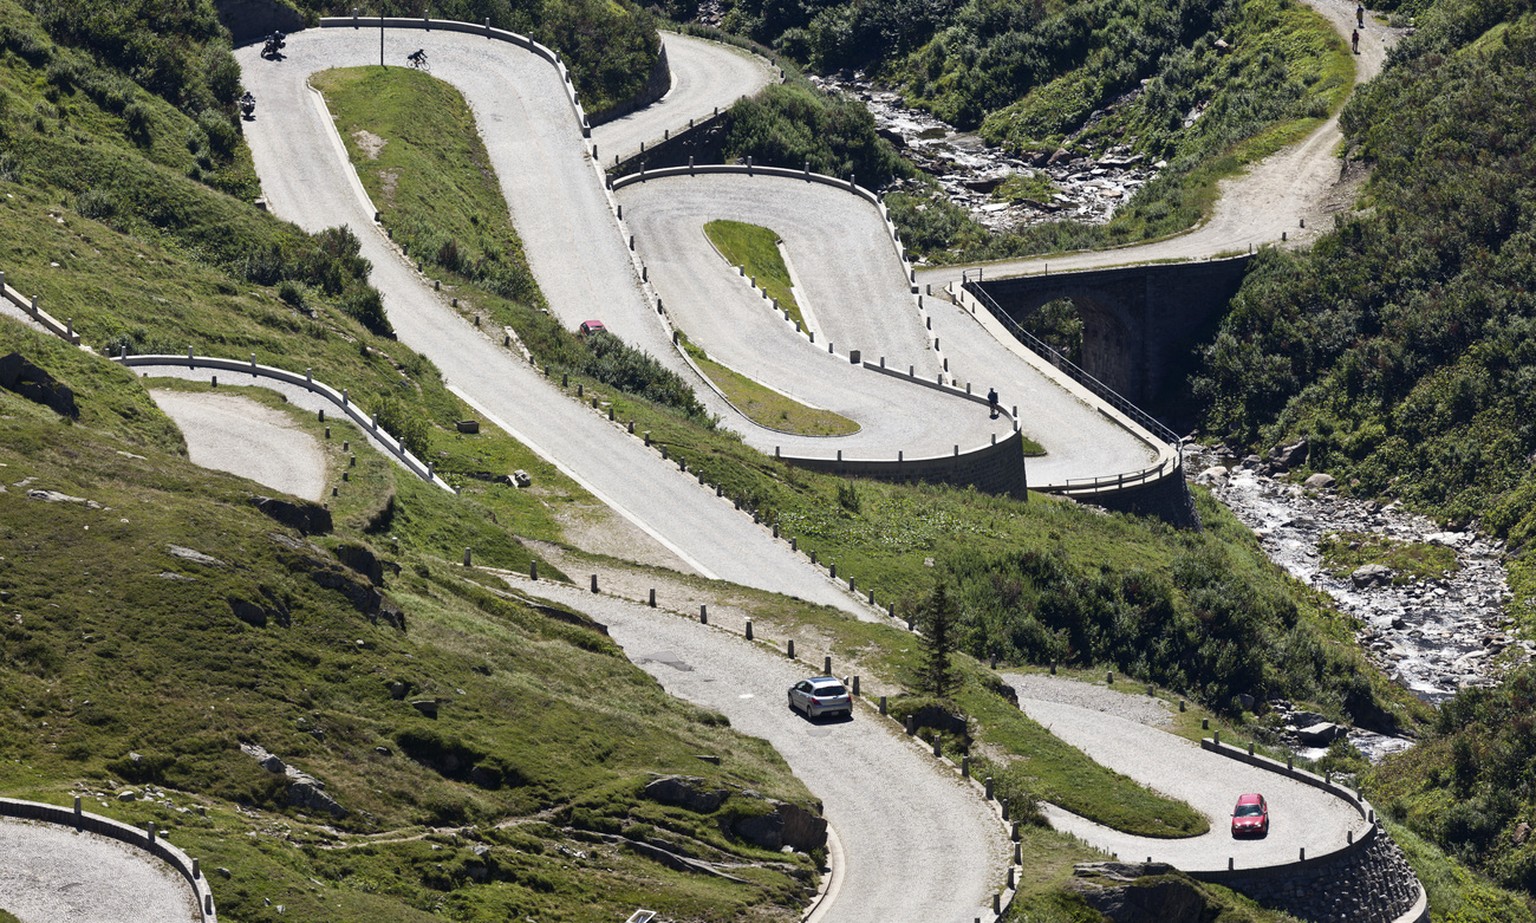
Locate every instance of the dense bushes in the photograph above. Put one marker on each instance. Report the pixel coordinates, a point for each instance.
(1471, 785)
(609, 46)
(1203, 627)
(1404, 345)
(793, 125)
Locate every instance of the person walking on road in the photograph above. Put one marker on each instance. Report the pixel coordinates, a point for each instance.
(1360, 15)
(992, 401)
(1354, 41)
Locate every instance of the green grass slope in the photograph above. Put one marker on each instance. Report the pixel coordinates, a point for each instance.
(127, 665)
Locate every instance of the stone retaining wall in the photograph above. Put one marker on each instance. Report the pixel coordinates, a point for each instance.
(76, 819)
(997, 469)
(1367, 881)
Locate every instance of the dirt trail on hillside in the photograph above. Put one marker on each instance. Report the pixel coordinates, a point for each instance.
(1289, 197)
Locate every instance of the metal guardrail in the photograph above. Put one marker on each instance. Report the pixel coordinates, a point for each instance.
(342, 400)
(1154, 427)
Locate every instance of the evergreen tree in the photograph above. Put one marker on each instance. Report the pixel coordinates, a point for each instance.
(937, 621)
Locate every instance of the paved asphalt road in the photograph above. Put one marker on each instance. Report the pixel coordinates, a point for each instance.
(306, 179)
(850, 280)
(52, 873)
(239, 435)
(1300, 816)
(917, 844)
(705, 76)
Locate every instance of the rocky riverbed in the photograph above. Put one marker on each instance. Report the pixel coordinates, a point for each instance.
(1078, 187)
(1433, 635)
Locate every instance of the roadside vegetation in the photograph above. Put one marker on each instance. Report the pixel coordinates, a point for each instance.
(1206, 86)
(610, 46)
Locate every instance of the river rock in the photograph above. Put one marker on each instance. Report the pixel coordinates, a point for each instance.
(1287, 457)
(1320, 735)
(1319, 481)
(1371, 575)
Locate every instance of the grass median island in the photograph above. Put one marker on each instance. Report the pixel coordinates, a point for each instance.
(755, 250)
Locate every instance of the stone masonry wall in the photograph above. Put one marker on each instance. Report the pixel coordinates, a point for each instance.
(1370, 885)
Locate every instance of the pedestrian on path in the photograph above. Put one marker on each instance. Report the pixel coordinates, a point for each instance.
(992, 401)
(1354, 41)
(1360, 15)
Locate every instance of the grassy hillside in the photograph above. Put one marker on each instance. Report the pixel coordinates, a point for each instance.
(1404, 345)
(132, 660)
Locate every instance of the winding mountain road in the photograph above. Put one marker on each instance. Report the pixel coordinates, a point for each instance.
(916, 843)
(1099, 722)
(307, 179)
(706, 77)
(578, 252)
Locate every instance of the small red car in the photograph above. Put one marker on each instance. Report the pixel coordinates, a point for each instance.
(590, 326)
(1251, 816)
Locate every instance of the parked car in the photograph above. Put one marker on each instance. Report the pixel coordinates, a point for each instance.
(1251, 816)
(590, 326)
(821, 695)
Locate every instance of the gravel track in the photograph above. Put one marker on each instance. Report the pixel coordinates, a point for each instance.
(1271, 199)
(917, 843)
(52, 873)
(236, 434)
(1300, 816)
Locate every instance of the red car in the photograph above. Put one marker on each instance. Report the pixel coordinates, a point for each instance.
(590, 326)
(1251, 816)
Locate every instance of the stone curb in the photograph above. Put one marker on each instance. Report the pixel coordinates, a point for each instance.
(187, 867)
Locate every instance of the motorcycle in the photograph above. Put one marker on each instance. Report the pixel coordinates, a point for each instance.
(248, 107)
(273, 49)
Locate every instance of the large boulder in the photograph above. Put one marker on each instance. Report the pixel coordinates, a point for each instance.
(784, 825)
(686, 791)
(21, 376)
(1156, 896)
(1320, 734)
(1371, 575)
(1286, 457)
(308, 518)
(1319, 481)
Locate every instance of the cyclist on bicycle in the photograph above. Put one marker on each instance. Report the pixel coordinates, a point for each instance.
(418, 58)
